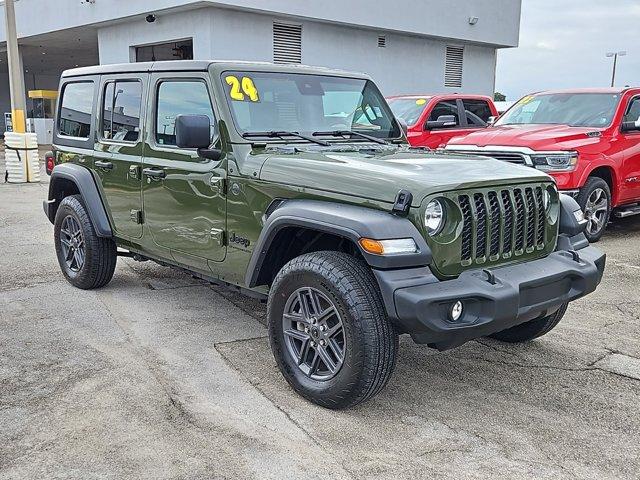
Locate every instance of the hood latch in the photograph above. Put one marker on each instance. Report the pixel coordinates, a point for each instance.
(402, 203)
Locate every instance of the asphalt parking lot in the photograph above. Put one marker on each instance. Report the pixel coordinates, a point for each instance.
(159, 375)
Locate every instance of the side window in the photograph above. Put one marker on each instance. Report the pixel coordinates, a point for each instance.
(447, 107)
(477, 112)
(76, 108)
(121, 111)
(180, 97)
(633, 112)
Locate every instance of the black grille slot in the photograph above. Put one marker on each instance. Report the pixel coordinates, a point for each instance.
(541, 216)
(508, 221)
(520, 213)
(531, 217)
(465, 206)
(481, 231)
(494, 209)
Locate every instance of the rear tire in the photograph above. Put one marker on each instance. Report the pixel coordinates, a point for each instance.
(595, 201)
(86, 260)
(360, 342)
(531, 329)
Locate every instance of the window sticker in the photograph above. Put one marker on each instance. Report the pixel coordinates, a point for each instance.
(421, 101)
(242, 90)
(525, 100)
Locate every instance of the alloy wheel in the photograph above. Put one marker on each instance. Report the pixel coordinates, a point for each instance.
(72, 243)
(314, 333)
(595, 211)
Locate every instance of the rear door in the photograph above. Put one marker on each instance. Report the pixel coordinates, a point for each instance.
(117, 155)
(184, 197)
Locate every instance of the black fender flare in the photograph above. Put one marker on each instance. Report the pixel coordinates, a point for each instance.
(348, 221)
(86, 185)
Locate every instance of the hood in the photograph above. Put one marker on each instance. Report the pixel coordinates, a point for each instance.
(379, 176)
(536, 137)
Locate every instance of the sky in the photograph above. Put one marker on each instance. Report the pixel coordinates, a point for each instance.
(563, 45)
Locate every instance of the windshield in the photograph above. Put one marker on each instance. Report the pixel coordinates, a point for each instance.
(271, 101)
(573, 109)
(408, 109)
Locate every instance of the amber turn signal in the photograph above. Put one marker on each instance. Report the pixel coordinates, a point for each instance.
(372, 246)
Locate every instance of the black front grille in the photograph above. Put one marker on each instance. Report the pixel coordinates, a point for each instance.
(502, 223)
(512, 157)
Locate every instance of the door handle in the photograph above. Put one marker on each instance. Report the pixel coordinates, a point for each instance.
(104, 165)
(154, 172)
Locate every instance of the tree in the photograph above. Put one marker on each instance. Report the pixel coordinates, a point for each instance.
(499, 97)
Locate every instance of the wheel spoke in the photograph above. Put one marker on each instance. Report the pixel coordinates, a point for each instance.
(304, 306)
(304, 350)
(334, 330)
(69, 255)
(602, 205)
(297, 334)
(65, 242)
(326, 314)
(313, 368)
(77, 259)
(327, 360)
(337, 349)
(314, 302)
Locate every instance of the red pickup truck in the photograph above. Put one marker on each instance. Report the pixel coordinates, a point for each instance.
(433, 120)
(588, 140)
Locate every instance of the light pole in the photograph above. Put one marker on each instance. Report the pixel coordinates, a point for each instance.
(16, 87)
(615, 56)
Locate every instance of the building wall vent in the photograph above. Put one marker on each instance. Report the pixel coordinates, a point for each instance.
(287, 43)
(453, 66)
(382, 41)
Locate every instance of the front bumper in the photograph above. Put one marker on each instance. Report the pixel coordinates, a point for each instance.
(419, 303)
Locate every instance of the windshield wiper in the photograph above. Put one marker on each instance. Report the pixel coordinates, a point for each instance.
(282, 134)
(350, 133)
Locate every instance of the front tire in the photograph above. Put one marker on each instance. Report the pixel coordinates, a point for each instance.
(595, 201)
(86, 260)
(329, 331)
(531, 329)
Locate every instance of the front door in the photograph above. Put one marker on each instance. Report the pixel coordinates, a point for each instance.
(466, 120)
(117, 157)
(630, 191)
(184, 199)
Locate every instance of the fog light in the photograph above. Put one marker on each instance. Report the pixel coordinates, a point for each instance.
(456, 311)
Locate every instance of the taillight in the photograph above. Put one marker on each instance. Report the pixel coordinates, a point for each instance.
(50, 162)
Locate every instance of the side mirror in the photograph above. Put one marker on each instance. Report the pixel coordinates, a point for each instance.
(403, 125)
(491, 120)
(630, 126)
(443, 121)
(194, 131)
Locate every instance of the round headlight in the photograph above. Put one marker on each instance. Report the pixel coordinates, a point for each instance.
(434, 217)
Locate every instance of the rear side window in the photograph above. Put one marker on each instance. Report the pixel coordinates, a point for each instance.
(180, 98)
(121, 111)
(477, 112)
(447, 107)
(76, 108)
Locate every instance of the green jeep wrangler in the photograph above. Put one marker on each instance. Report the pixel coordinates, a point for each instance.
(297, 184)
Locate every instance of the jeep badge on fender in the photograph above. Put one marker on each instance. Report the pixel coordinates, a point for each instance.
(353, 236)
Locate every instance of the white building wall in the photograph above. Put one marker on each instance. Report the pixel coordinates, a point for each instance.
(408, 64)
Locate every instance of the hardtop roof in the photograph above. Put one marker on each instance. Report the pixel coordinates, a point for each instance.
(204, 65)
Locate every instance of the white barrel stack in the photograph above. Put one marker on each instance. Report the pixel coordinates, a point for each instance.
(21, 157)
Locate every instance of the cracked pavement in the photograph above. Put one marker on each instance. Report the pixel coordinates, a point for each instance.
(160, 375)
